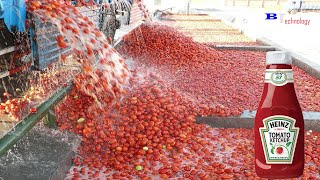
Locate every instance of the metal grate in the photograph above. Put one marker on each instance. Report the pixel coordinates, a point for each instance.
(44, 44)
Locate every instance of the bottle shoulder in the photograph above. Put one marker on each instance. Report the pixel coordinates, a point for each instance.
(279, 95)
(279, 101)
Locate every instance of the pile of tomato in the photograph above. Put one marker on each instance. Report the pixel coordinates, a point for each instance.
(151, 133)
(231, 79)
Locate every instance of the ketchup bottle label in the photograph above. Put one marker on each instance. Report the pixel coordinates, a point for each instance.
(279, 77)
(279, 137)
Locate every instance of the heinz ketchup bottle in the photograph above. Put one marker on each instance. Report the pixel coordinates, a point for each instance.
(279, 124)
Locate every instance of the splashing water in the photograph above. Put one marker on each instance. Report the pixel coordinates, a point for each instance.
(103, 70)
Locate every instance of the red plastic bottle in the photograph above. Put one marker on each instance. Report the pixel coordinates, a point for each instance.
(279, 124)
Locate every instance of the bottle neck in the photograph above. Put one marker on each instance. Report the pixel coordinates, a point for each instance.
(278, 74)
(279, 88)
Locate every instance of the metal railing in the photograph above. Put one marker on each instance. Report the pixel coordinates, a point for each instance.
(44, 111)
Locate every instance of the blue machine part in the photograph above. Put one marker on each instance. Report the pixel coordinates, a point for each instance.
(14, 14)
(1, 8)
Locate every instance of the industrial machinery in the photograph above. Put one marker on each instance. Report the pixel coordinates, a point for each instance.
(26, 47)
(15, 47)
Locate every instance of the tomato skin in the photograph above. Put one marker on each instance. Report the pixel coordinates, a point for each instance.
(279, 150)
(60, 42)
(86, 31)
(33, 110)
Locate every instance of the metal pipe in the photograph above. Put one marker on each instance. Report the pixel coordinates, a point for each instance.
(240, 47)
(188, 7)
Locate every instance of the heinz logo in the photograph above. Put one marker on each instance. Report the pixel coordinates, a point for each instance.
(287, 19)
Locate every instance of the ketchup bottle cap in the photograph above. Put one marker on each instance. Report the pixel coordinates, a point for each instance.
(279, 57)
